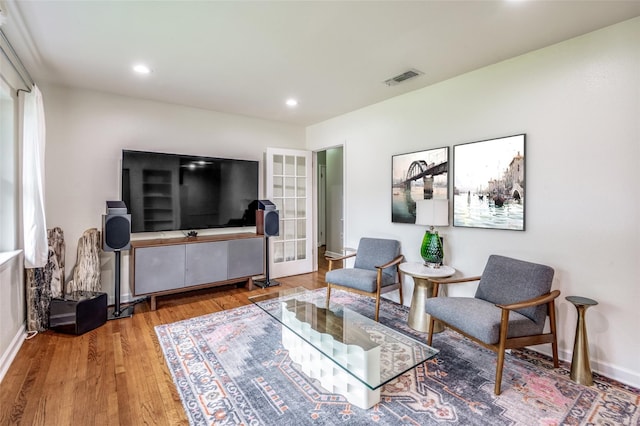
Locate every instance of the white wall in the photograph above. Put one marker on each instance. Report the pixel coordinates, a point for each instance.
(86, 133)
(579, 104)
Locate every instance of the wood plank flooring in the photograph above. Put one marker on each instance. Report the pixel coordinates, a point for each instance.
(116, 374)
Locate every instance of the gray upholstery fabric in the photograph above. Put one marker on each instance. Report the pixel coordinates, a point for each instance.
(506, 280)
(503, 281)
(371, 252)
(479, 318)
(360, 279)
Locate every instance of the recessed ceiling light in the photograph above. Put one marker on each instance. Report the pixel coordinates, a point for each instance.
(292, 102)
(142, 69)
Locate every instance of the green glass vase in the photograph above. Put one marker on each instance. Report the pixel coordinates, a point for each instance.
(431, 249)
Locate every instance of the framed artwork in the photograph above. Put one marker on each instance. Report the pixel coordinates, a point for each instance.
(489, 183)
(416, 176)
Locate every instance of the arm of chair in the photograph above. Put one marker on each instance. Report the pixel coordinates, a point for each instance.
(395, 261)
(380, 268)
(335, 259)
(540, 300)
(526, 340)
(437, 281)
(454, 280)
(346, 256)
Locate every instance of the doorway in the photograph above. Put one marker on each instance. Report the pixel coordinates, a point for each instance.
(330, 190)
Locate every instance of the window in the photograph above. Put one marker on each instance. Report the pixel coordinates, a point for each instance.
(8, 168)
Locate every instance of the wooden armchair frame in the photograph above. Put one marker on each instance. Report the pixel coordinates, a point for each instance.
(504, 342)
(379, 289)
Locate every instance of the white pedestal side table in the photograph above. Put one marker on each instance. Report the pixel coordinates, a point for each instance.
(423, 289)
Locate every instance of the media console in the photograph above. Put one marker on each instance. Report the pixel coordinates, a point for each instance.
(173, 265)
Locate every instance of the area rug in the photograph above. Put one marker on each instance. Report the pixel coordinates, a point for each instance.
(230, 369)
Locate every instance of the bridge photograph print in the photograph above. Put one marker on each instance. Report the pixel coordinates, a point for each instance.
(488, 183)
(421, 175)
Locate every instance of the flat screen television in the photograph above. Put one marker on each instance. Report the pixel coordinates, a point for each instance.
(167, 192)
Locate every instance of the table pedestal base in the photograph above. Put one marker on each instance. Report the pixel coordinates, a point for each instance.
(580, 366)
(418, 318)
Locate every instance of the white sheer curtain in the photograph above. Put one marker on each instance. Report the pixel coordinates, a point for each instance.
(33, 145)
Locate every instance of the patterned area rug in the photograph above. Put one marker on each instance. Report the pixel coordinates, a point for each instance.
(230, 369)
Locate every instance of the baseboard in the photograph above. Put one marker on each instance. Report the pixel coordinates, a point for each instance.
(10, 354)
(124, 298)
(623, 375)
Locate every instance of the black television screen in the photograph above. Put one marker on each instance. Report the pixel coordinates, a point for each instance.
(165, 192)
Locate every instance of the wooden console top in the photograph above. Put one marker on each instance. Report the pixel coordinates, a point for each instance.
(189, 240)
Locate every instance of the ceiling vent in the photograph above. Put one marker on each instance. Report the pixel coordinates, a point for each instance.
(407, 75)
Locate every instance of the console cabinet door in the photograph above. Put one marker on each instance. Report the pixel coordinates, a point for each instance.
(159, 268)
(206, 263)
(246, 257)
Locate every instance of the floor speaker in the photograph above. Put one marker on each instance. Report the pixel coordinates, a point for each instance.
(79, 312)
(116, 232)
(267, 224)
(271, 223)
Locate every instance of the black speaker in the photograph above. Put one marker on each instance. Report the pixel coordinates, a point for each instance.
(116, 227)
(268, 224)
(79, 312)
(267, 219)
(271, 223)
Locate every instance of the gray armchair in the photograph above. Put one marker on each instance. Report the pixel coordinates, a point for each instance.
(374, 272)
(509, 309)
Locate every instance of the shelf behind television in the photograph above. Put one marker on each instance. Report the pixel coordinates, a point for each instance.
(157, 200)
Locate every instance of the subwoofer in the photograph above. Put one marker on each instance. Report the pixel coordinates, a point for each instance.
(79, 312)
(116, 227)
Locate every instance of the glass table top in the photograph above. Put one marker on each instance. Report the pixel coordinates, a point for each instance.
(355, 343)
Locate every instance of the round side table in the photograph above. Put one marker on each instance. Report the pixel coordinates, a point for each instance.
(423, 289)
(580, 368)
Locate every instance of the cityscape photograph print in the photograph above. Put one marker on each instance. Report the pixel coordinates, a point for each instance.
(489, 183)
(417, 176)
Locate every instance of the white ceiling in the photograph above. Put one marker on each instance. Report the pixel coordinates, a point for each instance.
(248, 57)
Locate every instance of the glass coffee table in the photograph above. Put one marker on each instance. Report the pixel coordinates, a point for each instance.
(348, 353)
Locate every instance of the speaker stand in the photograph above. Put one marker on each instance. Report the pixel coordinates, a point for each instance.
(116, 312)
(266, 282)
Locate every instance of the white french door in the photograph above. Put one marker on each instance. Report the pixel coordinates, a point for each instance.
(289, 186)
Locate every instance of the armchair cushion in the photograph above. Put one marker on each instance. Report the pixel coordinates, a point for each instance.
(374, 252)
(479, 318)
(506, 280)
(360, 279)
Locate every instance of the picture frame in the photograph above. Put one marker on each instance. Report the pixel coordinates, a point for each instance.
(416, 176)
(489, 183)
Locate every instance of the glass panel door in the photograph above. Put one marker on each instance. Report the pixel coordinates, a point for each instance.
(288, 186)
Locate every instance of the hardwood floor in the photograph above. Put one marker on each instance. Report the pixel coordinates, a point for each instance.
(116, 374)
